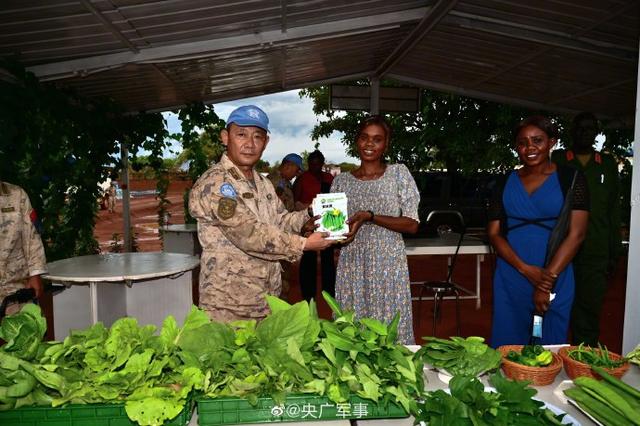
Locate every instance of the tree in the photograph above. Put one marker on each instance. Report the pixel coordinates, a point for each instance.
(211, 149)
(200, 137)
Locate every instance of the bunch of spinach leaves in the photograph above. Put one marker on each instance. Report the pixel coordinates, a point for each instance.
(459, 356)
(153, 374)
(294, 351)
(468, 403)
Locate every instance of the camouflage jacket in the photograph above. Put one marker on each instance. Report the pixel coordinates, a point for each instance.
(283, 188)
(244, 230)
(21, 250)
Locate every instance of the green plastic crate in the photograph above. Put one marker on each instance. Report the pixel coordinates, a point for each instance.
(81, 415)
(297, 408)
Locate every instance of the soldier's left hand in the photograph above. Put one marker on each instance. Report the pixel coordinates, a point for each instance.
(35, 283)
(309, 226)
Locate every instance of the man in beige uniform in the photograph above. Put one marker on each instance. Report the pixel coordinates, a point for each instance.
(243, 227)
(22, 259)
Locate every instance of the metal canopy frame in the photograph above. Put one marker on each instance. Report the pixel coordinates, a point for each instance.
(152, 55)
(158, 54)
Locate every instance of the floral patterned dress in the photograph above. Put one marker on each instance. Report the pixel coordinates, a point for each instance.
(372, 274)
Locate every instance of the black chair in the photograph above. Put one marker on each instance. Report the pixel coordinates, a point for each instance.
(24, 295)
(450, 227)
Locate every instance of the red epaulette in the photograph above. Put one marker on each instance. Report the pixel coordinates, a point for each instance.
(570, 155)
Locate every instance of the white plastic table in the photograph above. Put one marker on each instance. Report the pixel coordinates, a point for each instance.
(148, 286)
(447, 246)
(180, 239)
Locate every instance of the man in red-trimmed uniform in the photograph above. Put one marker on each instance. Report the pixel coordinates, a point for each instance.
(22, 258)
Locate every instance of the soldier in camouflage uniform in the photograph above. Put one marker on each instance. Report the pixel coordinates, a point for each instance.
(22, 259)
(290, 167)
(243, 227)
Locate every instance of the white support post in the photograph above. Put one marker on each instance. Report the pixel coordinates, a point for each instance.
(631, 333)
(126, 218)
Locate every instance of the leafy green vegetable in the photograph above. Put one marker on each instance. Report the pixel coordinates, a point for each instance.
(126, 363)
(153, 373)
(468, 404)
(23, 331)
(459, 356)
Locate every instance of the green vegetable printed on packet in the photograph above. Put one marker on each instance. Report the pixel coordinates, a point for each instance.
(333, 220)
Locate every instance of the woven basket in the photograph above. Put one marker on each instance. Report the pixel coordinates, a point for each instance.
(538, 376)
(576, 368)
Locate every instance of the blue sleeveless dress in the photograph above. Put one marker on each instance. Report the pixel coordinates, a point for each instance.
(530, 219)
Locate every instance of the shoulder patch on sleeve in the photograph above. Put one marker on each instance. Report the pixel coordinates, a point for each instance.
(226, 208)
(227, 190)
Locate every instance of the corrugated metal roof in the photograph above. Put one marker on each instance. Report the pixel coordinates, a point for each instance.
(564, 55)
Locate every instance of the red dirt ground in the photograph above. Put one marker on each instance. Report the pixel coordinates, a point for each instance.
(144, 217)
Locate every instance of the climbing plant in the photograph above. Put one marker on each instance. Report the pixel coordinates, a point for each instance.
(58, 147)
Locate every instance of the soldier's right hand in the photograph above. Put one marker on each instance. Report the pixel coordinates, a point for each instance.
(318, 241)
(309, 226)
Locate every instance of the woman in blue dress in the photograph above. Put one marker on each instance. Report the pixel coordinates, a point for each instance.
(522, 215)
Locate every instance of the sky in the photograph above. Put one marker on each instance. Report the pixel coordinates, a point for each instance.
(291, 120)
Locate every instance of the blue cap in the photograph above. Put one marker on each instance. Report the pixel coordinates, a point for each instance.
(294, 158)
(249, 115)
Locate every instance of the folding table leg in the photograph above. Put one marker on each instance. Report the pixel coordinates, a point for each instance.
(93, 296)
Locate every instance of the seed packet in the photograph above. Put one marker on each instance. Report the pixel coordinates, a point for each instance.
(332, 209)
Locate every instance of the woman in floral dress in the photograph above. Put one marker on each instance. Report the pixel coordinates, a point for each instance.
(372, 274)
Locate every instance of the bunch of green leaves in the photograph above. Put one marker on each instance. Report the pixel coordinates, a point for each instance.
(366, 359)
(23, 331)
(294, 351)
(23, 383)
(127, 363)
(598, 357)
(468, 403)
(460, 356)
(252, 360)
(531, 355)
(291, 351)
